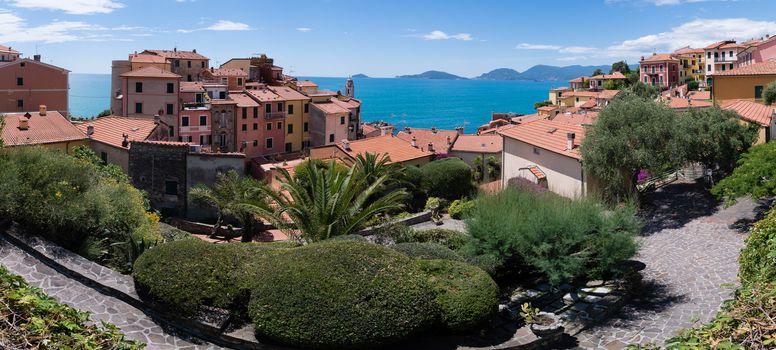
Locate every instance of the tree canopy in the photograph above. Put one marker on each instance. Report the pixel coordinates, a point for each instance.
(598, 71)
(755, 175)
(620, 66)
(769, 94)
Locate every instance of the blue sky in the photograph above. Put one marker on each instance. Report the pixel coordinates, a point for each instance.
(378, 38)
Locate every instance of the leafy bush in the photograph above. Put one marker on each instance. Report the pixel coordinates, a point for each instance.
(184, 275)
(449, 238)
(353, 237)
(35, 320)
(340, 295)
(411, 177)
(747, 179)
(757, 258)
(73, 203)
(459, 207)
(769, 94)
(427, 251)
(465, 296)
(555, 236)
(449, 178)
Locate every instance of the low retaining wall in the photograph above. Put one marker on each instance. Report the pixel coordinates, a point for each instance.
(122, 287)
(409, 221)
(203, 229)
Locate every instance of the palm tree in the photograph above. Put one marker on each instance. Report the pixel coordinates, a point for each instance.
(238, 196)
(331, 203)
(373, 166)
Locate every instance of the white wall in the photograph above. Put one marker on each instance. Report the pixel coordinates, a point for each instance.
(564, 174)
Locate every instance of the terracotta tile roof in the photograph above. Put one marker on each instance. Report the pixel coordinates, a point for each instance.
(478, 143)
(151, 72)
(165, 143)
(192, 86)
(425, 136)
(731, 46)
(288, 93)
(191, 55)
(110, 129)
(580, 94)
(146, 58)
(585, 118)
(51, 128)
(228, 72)
(683, 103)
(659, 57)
(687, 50)
(579, 80)
(306, 83)
(243, 100)
(330, 108)
(615, 75)
(547, 134)
(699, 95)
(717, 45)
(751, 111)
(265, 95)
(30, 61)
(607, 94)
(527, 118)
(347, 102)
(589, 104)
(760, 68)
(393, 147)
(547, 108)
(366, 128)
(7, 49)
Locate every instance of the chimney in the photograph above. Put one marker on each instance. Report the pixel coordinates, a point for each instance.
(430, 147)
(157, 119)
(89, 130)
(346, 145)
(414, 142)
(36, 57)
(125, 142)
(570, 141)
(194, 51)
(24, 123)
(407, 130)
(174, 49)
(449, 142)
(42, 110)
(459, 130)
(433, 129)
(211, 69)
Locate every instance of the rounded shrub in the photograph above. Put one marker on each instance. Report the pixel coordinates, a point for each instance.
(427, 250)
(465, 296)
(183, 275)
(448, 178)
(757, 262)
(450, 238)
(459, 207)
(340, 294)
(353, 237)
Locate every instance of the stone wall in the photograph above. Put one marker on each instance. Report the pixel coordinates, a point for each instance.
(159, 169)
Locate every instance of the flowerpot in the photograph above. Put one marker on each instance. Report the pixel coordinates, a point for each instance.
(546, 324)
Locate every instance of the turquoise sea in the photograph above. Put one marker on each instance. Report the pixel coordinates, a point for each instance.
(420, 103)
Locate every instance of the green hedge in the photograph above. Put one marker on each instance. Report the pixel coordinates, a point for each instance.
(757, 258)
(448, 178)
(184, 275)
(417, 250)
(340, 294)
(459, 207)
(34, 320)
(466, 297)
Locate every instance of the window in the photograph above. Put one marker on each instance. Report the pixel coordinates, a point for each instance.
(535, 150)
(203, 64)
(577, 99)
(290, 128)
(730, 66)
(138, 107)
(342, 119)
(239, 81)
(268, 143)
(170, 88)
(288, 147)
(171, 187)
(188, 77)
(307, 108)
(104, 157)
(255, 126)
(661, 68)
(201, 139)
(170, 109)
(203, 120)
(138, 87)
(708, 55)
(708, 68)
(290, 109)
(255, 143)
(268, 108)
(185, 121)
(255, 112)
(280, 126)
(280, 106)
(723, 67)
(305, 127)
(731, 53)
(244, 113)
(331, 137)
(245, 127)
(723, 55)
(176, 63)
(269, 126)
(20, 81)
(222, 95)
(188, 64)
(172, 131)
(758, 92)
(646, 80)
(20, 103)
(645, 69)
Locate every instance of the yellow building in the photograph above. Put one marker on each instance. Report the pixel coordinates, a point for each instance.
(556, 94)
(755, 113)
(297, 116)
(43, 128)
(691, 63)
(743, 83)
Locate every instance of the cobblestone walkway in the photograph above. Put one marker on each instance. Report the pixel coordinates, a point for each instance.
(133, 322)
(690, 248)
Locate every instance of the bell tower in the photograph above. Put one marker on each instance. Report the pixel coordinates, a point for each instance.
(349, 88)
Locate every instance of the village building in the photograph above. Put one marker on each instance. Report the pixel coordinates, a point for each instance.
(659, 70)
(721, 57)
(597, 82)
(111, 136)
(187, 64)
(150, 92)
(7, 54)
(234, 78)
(755, 113)
(471, 147)
(377, 128)
(49, 129)
(30, 83)
(556, 94)
(297, 129)
(757, 51)
(745, 83)
(580, 84)
(433, 140)
(399, 151)
(691, 63)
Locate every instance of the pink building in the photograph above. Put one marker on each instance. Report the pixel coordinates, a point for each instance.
(148, 92)
(659, 70)
(233, 78)
(272, 109)
(259, 121)
(7, 54)
(28, 84)
(758, 51)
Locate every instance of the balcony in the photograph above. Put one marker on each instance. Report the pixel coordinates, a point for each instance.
(275, 115)
(724, 59)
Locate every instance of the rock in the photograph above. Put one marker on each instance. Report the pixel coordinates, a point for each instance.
(594, 283)
(601, 291)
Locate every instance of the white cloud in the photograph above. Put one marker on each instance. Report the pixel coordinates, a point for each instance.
(577, 49)
(73, 7)
(561, 49)
(527, 46)
(440, 35)
(304, 29)
(228, 25)
(14, 29)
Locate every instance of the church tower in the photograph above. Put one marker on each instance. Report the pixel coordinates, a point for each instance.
(349, 89)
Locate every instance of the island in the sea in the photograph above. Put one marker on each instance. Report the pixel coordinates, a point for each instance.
(360, 76)
(433, 74)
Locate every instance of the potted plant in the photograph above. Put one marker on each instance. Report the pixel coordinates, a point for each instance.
(434, 205)
(542, 324)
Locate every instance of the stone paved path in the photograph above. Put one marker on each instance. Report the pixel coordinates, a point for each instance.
(133, 322)
(690, 248)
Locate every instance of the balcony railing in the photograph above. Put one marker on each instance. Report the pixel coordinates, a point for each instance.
(275, 115)
(725, 59)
